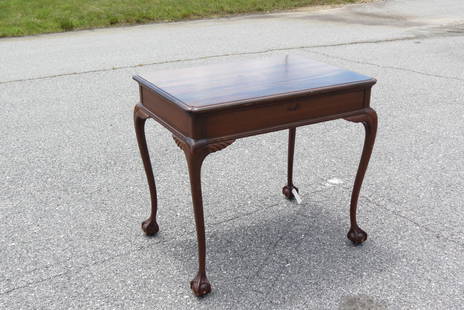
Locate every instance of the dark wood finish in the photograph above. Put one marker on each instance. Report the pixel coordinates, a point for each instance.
(287, 190)
(208, 107)
(195, 154)
(369, 120)
(201, 102)
(149, 226)
(219, 85)
(278, 112)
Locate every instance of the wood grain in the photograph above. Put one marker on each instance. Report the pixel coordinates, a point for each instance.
(200, 87)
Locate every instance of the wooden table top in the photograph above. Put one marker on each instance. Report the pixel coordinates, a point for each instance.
(208, 86)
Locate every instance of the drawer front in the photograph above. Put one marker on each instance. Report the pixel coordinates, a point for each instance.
(281, 112)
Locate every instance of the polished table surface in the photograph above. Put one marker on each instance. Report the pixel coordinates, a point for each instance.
(216, 85)
(208, 107)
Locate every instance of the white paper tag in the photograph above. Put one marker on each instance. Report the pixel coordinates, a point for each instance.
(297, 196)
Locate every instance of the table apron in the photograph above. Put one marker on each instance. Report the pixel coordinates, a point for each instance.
(255, 119)
(262, 117)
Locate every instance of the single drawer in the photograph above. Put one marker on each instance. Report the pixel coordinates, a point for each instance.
(280, 112)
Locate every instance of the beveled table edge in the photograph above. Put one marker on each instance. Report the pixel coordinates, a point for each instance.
(244, 102)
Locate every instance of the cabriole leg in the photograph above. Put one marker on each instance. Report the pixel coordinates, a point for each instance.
(369, 120)
(287, 189)
(149, 226)
(200, 284)
(195, 153)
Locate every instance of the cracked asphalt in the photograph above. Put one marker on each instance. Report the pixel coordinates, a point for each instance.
(73, 191)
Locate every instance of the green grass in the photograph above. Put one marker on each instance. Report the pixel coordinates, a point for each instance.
(26, 17)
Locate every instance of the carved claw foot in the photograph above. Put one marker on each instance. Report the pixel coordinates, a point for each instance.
(357, 235)
(287, 191)
(150, 227)
(200, 285)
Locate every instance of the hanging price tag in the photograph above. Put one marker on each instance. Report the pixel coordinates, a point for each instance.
(297, 196)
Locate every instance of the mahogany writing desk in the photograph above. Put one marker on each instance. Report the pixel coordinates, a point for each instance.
(208, 107)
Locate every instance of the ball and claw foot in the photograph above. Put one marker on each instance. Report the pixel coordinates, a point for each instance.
(287, 191)
(150, 227)
(357, 235)
(200, 285)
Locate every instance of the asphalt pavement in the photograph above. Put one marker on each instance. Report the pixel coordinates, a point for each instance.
(73, 191)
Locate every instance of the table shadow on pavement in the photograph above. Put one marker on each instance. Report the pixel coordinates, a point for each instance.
(282, 255)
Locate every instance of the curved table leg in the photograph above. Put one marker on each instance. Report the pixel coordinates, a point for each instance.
(149, 226)
(287, 189)
(195, 153)
(200, 284)
(369, 120)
